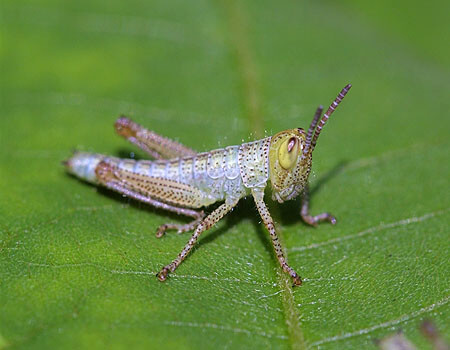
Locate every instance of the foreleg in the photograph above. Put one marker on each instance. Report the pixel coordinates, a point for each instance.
(309, 219)
(258, 195)
(209, 221)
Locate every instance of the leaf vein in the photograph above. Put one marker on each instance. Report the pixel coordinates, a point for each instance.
(371, 230)
(386, 324)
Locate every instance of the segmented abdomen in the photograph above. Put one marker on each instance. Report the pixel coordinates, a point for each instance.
(222, 174)
(216, 174)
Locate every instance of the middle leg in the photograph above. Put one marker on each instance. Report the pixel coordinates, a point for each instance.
(209, 221)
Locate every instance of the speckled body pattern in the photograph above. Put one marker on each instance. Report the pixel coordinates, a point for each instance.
(183, 181)
(222, 174)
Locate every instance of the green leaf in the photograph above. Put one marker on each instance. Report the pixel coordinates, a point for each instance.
(77, 263)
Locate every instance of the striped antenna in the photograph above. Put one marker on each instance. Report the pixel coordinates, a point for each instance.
(312, 126)
(328, 113)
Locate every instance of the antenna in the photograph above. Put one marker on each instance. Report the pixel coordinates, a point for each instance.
(312, 126)
(327, 115)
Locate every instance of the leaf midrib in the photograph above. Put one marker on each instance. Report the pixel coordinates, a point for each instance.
(246, 67)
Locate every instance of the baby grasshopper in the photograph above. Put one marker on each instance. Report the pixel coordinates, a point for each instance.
(181, 180)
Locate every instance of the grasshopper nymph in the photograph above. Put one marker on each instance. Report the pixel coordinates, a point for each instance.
(184, 181)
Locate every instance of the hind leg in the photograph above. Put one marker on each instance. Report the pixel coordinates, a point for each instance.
(159, 147)
(107, 176)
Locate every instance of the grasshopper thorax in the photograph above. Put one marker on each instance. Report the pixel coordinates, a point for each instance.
(289, 168)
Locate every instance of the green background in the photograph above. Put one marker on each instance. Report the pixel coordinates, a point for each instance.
(77, 263)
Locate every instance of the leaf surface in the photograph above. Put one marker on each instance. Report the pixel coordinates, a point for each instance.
(77, 263)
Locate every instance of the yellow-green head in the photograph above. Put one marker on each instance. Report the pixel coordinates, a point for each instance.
(289, 168)
(290, 154)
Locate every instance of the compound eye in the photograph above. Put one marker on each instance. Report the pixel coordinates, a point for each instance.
(288, 153)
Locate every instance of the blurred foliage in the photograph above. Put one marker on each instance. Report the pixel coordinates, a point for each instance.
(77, 263)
